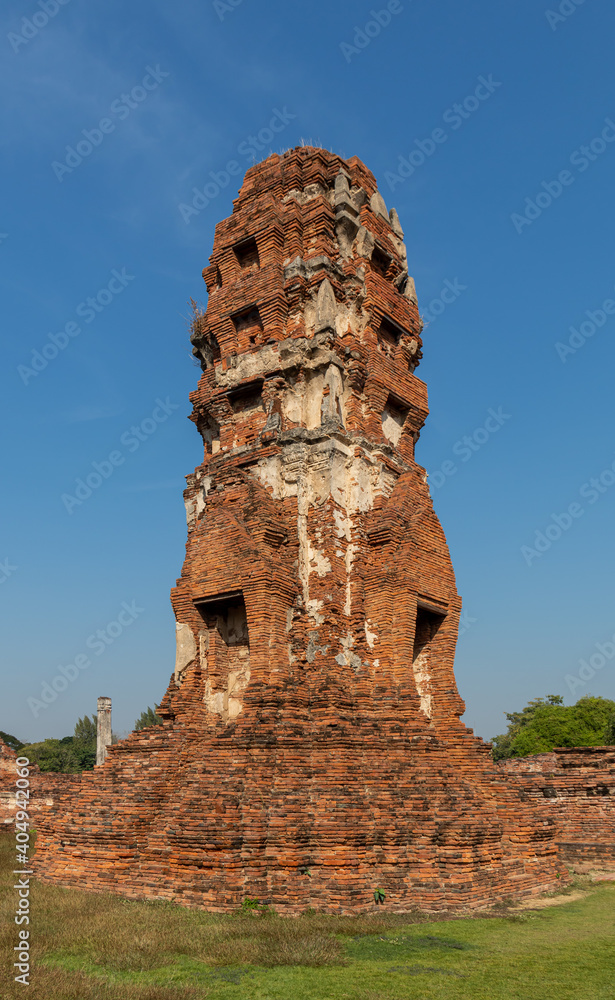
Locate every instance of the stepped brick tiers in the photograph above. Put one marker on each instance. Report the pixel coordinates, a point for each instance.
(311, 750)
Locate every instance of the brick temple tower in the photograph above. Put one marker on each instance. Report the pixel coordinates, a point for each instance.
(311, 749)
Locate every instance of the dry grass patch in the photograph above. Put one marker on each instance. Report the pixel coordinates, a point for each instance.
(87, 946)
(61, 984)
(117, 935)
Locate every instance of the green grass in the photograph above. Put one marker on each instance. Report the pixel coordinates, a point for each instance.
(100, 947)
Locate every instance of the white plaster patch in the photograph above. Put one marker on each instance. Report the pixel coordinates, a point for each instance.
(422, 679)
(203, 648)
(303, 568)
(369, 635)
(313, 608)
(393, 421)
(292, 406)
(342, 524)
(318, 561)
(354, 483)
(227, 702)
(351, 551)
(269, 472)
(313, 399)
(347, 656)
(250, 365)
(350, 554)
(214, 699)
(185, 649)
(309, 192)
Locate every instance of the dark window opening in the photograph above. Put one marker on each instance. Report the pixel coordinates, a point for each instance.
(388, 337)
(227, 624)
(249, 323)
(227, 614)
(210, 432)
(246, 253)
(427, 625)
(227, 653)
(380, 261)
(247, 397)
(393, 419)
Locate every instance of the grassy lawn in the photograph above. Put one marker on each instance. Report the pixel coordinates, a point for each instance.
(92, 947)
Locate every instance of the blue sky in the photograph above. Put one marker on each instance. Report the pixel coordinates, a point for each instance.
(516, 277)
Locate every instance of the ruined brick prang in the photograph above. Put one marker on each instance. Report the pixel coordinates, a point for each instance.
(312, 749)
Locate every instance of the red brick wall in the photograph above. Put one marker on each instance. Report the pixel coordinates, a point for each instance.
(576, 789)
(44, 789)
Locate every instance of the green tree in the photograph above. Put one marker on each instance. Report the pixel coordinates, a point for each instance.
(11, 741)
(84, 743)
(547, 723)
(609, 736)
(148, 718)
(52, 755)
(516, 722)
(85, 729)
(69, 755)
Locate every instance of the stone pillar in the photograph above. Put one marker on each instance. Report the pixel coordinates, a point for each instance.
(103, 729)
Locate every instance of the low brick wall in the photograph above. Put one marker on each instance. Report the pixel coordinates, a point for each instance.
(8, 775)
(45, 789)
(576, 788)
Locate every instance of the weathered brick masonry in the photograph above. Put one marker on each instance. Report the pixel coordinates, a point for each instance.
(576, 788)
(312, 749)
(8, 776)
(45, 788)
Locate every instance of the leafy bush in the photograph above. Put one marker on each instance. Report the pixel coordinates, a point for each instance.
(71, 754)
(547, 723)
